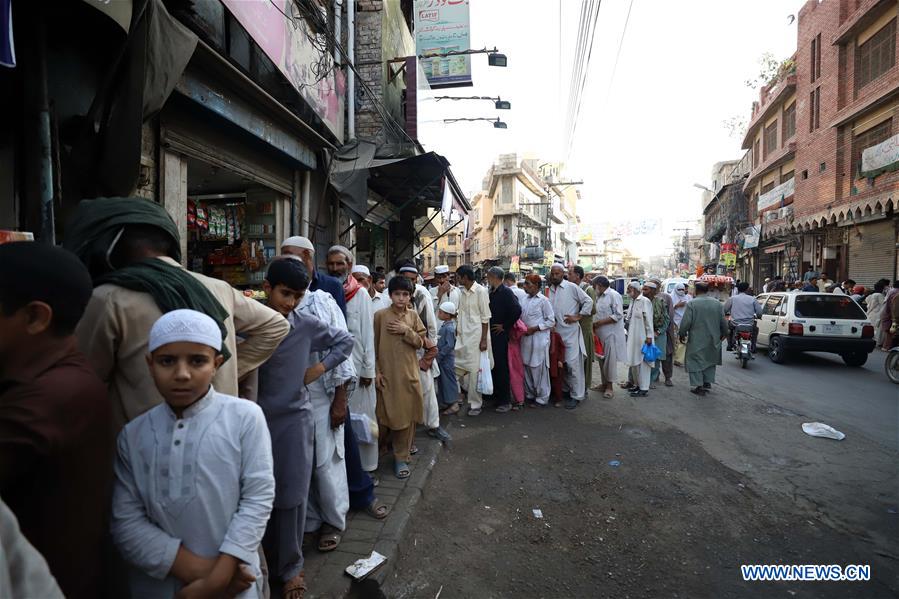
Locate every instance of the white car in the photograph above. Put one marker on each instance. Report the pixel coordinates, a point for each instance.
(822, 322)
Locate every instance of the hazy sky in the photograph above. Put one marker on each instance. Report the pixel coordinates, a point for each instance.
(640, 145)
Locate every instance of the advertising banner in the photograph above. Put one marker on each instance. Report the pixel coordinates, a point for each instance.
(880, 158)
(729, 254)
(441, 28)
(515, 264)
(289, 46)
(773, 197)
(751, 236)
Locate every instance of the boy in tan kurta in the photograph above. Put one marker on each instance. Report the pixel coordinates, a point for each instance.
(398, 334)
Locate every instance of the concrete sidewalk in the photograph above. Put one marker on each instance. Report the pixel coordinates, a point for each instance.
(325, 575)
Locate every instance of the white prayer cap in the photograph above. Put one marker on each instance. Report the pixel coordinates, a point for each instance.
(635, 285)
(441, 270)
(361, 269)
(339, 249)
(448, 307)
(651, 285)
(185, 325)
(298, 242)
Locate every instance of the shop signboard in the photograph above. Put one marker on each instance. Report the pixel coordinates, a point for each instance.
(288, 43)
(442, 28)
(515, 264)
(773, 197)
(880, 158)
(751, 235)
(729, 254)
(549, 258)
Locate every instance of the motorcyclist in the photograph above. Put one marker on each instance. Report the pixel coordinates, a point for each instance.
(743, 309)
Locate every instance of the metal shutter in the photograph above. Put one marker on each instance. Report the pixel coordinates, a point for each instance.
(872, 252)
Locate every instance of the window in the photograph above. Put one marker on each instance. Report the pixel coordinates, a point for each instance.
(814, 109)
(805, 174)
(756, 158)
(451, 239)
(789, 121)
(768, 187)
(784, 177)
(822, 167)
(770, 138)
(871, 137)
(876, 56)
(816, 58)
(838, 307)
(771, 305)
(451, 260)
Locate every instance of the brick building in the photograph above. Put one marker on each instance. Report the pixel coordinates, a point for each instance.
(825, 193)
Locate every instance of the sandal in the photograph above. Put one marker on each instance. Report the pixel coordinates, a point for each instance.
(295, 588)
(474, 412)
(401, 469)
(608, 394)
(452, 410)
(377, 510)
(329, 538)
(413, 450)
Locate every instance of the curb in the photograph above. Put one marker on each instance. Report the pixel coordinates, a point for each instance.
(397, 523)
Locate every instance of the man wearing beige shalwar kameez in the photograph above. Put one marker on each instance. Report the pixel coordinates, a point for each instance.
(399, 335)
(472, 335)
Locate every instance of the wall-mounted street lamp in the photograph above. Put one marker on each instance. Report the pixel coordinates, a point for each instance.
(499, 103)
(494, 57)
(497, 124)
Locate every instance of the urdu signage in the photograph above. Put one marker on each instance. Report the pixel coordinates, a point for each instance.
(441, 28)
(877, 159)
(773, 197)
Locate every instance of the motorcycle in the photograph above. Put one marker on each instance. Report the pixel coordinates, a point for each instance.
(743, 344)
(891, 365)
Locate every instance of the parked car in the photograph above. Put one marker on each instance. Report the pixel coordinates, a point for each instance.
(822, 322)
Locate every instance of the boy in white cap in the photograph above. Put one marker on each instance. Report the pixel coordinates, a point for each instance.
(194, 482)
(447, 384)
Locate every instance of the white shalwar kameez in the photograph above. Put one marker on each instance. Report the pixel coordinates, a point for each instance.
(473, 312)
(639, 328)
(568, 299)
(424, 305)
(612, 337)
(453, 296)
(329, 495)
(362, 402)
(380, 302)
(536, 311)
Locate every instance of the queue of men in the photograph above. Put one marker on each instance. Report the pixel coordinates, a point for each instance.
(236, 434)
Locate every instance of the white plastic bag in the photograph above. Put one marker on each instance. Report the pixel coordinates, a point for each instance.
(819, 429)
(485, 379)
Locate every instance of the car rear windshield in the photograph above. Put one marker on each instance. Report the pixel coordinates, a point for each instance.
(828, 306)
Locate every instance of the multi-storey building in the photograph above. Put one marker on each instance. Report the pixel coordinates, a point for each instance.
(824, 188)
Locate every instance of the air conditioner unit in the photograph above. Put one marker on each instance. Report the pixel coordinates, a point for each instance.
(786, 212)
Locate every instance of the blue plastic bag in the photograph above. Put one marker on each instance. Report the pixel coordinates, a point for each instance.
(651, 353)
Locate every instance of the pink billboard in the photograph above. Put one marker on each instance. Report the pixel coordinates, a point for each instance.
(288, 46)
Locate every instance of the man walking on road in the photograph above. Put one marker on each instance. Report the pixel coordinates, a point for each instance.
(666, 362)
(505, 312)
(609, 326)
(472, 335)
(570, 304)
(704, 328)
(639, 333)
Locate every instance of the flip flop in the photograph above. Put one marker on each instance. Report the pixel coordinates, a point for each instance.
(474, 412)
(452, 410)
(401, 469)
(295, 588)
(377, 510)
(608, 395)
(329, 538)
(413, 450)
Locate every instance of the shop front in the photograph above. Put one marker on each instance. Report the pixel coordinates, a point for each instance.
(872, 251)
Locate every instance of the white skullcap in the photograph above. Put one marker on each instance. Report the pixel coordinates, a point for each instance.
(185, 325)
(634, 285)
(448, 307)
(441, 270)
(361, 269)
(651, 285)
(339, 249)
(298, 242)
(560, 265)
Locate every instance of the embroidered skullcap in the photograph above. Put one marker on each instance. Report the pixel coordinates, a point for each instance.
(441, 270)
(361, 269)
(409, 268)
(339, 249)
(448, 307)
(651, 285)
(298, 242)
(185, 326)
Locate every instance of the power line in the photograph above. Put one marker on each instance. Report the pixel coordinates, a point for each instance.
(584, 78)
(618, 53)
(580, 73)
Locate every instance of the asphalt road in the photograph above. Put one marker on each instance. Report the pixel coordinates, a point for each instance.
(703, 486)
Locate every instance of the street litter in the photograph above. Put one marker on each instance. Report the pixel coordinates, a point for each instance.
(614, 463)
(537, 513)
(363, 567)
(524, 436)
(819, 429)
